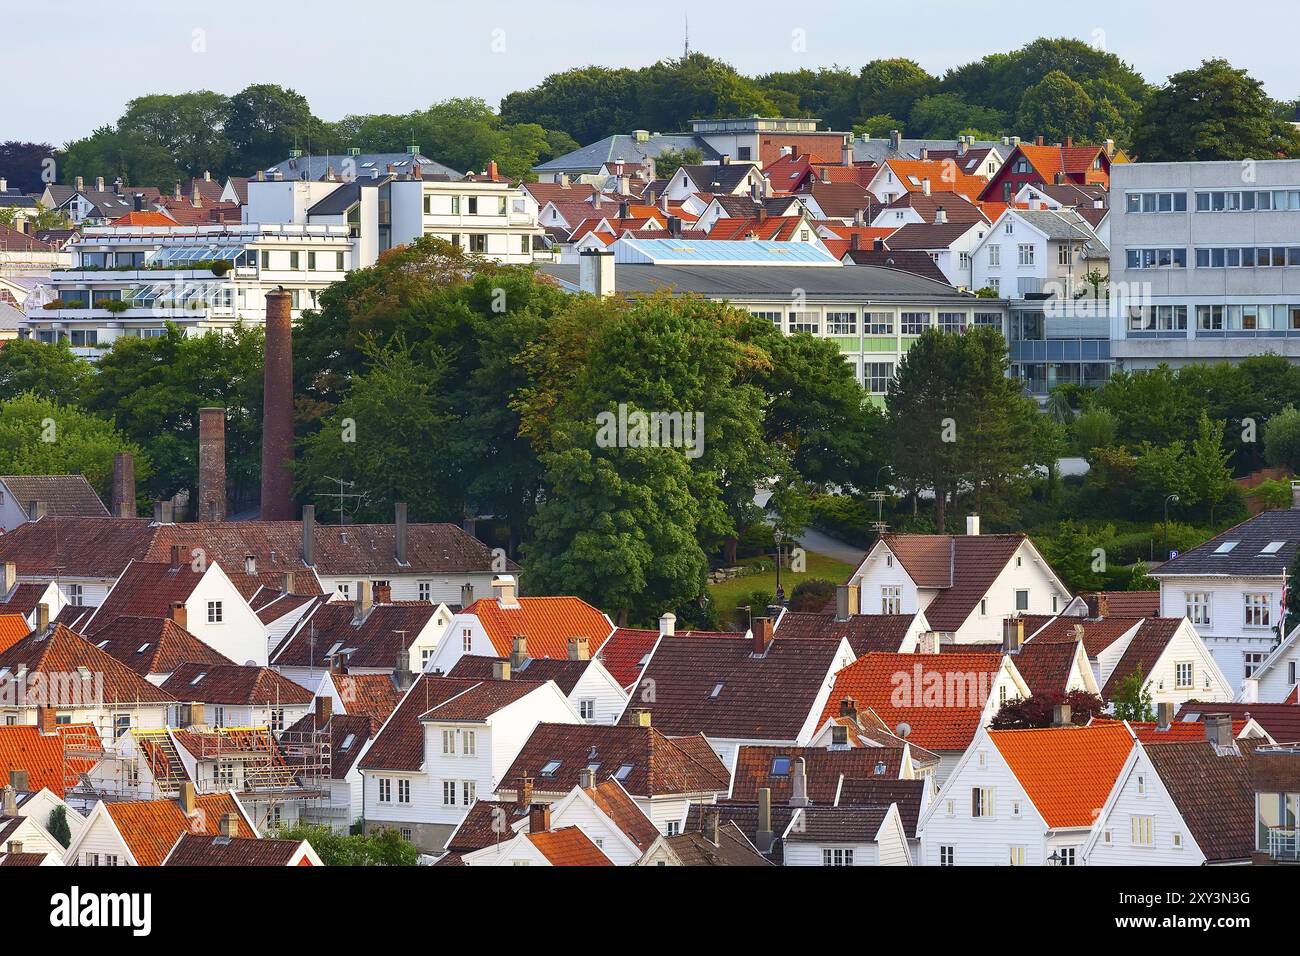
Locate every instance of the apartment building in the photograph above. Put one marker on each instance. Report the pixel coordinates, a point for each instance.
(1206, 260)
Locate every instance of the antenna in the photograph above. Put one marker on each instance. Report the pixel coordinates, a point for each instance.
(343, 496)
(686, 46)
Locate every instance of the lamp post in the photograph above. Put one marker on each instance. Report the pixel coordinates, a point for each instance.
(1167, 500)
(880, 500)
(778, 537)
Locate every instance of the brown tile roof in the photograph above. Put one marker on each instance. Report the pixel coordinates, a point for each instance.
(1178, 732)
(1098, 633)
(371, 643)
(400, 744)
(233, 684)
(1280, 721)
(22, 859)
(481, 701)
(564, 672)
(947, 723)
(758, 767)
(487, 822)
(193, 849)
(1045, 666)
(271, 605)
(146, 589)
(1213, 795)
(568, 846)
(62, 652)
(732, 848)
(847, 824)
(623, 812)
(957, 208)
(153, 645)
(744, 816)
(841, 200)
(66, 496)
(1144, 649)
(627, 648)
(864, 632)
(904, 260)
(881, 792)
(343, 751)
(974, 562)
(719, 687)
(1128, 603)
(658, 764)
(1274, 770)
(151, 828)
(22, 600)
(77, 547)
(373, 695)
(547, 623)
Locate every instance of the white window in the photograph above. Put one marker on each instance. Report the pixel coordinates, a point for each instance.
(385, 790)
(407, 833)
(673, 828)
(467, 639)
(837, 857)
(876, 376)
(1015, 808)
(468, 742)
(1291, 672)
(424, 589)
(981, 802)
(951, 808)
(1063, 254)
(945, 856)
(1178, 841)
(449, 741)
(1251, 661)
(914, 323)
(891, 599)
(984, 607)
(1022, 600)
(277, 719)
(1066, 856)
(468, 791)
(403, 791)
(345, 590)
(1143, 830)
(1257, 610)
(587, 709)
(1106, 837)
(878, 323)
(1183, 674)
(449, 793)
(75, 595)
(215, 612)
(1198, 606)
(809, 322)
(1026, 254)
(1017, 856)
(841, 323)
(1141, 786)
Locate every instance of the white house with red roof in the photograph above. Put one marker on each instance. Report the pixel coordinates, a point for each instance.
(1025, 797)
(965, 584)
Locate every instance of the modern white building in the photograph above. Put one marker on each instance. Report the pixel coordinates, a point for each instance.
(1205, 258)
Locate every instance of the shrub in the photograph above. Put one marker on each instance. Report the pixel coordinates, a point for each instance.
(1272, 494)
(848, 519)
(812, 594)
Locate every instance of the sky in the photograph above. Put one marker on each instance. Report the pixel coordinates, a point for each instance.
(71, 65)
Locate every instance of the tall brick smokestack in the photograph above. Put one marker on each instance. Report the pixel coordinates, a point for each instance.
(277, 410)
(122, 504)
(212, 464)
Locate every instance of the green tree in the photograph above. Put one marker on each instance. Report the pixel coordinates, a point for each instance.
(1281, 438)
(1208, 476)
(890, 87)
(1132, 698)
(947, 115)
(41, 437)
(1213, 112)
(1055, 108)
(670, 160)
(384, 848)
(51, 371)
(588, 103)
(822, 93)
(57, 826)
(25, 164)
(264, 122)
(672, 92)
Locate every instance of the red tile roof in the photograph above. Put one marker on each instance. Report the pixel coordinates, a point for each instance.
(568, 846)
(400, 744)
(566, 673)
(864, 632)
(1067, 772)
(625, 650)
(13, 628)
(23, 747)
(146, 589)
(373, 642)
(77, 547)
(481, 701)
(756, 767)
(153, 645)
(614, 802)
(944, 177)
(1179, 731)
(62, 652)
(547, 623)
(1128, 603)
(941, 697)
(233, 684)
(1045, 666)
(1280, 721)
(194, 849)
(1143, 651)
(1098, 633)
(151, 828)
(372, 695)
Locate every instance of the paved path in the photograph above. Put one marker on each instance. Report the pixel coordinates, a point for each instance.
(814, 540)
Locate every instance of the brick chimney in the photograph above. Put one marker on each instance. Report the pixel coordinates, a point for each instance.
(277, 410)
(229, 825)
(178, 615)
(524, 795)
(539, 818)
(579, 649)
(640, 718)
(47, 725)
(762, 631)
(122, 502)
(324, 709)
(212, 464)
(849, 708)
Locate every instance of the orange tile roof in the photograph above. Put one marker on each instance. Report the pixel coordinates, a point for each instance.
(13, 628)
(1067, 772)
(939, 720)
(148, 218)
(569, 846)
(623, 812)
(944, 178)
(772, 227)
(1180, 731)
(547, 623)
(151, 828)
(23, 748)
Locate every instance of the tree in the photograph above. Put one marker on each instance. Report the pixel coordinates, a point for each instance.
(947, 115)
(921, 408)
(823, 93)
(672, 92)
(57, 826)
(890, 87)
(1208, 476)
(264, 121)
(41, 437)
(670, 160)
(384, 848)
(1132, 698)
(1055, 108)
(588, 103)
(49, 370)
(26, 165)
(1213, 112)
(1039, 710)
(1281, 438)
(1291, 609)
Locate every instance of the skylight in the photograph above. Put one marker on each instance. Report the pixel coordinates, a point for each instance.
(1225, 547)
(201, 675)
(621, 773)
(347, 742)
(1273, 547)
(142, 648)
(550, 768)
(780, 766)
(717, 689)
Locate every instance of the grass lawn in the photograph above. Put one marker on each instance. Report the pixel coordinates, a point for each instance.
(728, 594)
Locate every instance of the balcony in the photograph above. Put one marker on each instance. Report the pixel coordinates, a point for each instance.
(1283, 844)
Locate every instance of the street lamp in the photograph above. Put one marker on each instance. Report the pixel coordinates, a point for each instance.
(880, 498)
(1167, 500)
(778, 537)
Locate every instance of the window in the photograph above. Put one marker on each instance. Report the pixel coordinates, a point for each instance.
(1198, 606)
(1141, 786)
(1015, 808)
(293, 259)
(878, 323)
(449, 793)
(468, 792)
(1142, 830)
(407, 833)
(1066, 856)
(423, 590)
(914, 323)
(891, 599)
(841, 323)
(385, 790)
(75, 595)
(449, 741)
(876, 376)
(472, 205)
(1178, 841)
(1183, 674)
(952, 321)
(311, 262)
(673, 828)
(277, 719)
(525, 244)
(214, 612)
(981, 802)
(1291, 672)
(945, 856)
(1063, 254)
(1156, 202)
(469, 742)
(1251, 661)
(403, 791)
(1161, 258)
(805, 322)
(1017, 856)
(1026, 253)
(587, 709)
(995, 255)
(837, 857)
(467, 639)
(1022, 600)
(477, 242)
(121, 724)
(501, 205)
(110, 859)
(345, 590)
(1257, 610)
(984, 607)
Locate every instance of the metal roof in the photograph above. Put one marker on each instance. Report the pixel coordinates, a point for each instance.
(622, 146)
(665, 252)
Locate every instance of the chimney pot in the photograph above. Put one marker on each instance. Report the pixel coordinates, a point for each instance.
(799, 784)
(363, 602)
(42, 618)
(324, 709)
(849, 708)
(9, 578)
(1164, 715)
(587, 778)
(579, 649)
(524, 795)
(504, 586)
(10, 799)
(229, 825)
(1218, 729)
(640, 717)
(973, 524)
(466, 594)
